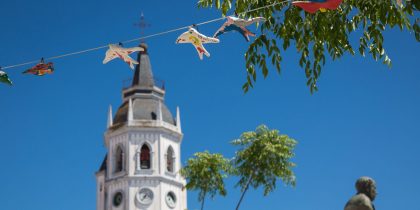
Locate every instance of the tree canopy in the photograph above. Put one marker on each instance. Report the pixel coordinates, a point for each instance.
(264, 156)
(320, 34)
(205, 173)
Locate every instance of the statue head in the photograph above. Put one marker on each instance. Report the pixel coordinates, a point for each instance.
(367, 186)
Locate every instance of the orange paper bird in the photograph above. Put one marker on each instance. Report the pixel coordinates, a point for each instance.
(41, 69)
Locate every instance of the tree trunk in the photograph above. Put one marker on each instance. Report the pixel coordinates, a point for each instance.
(204, 198)
(243, 193)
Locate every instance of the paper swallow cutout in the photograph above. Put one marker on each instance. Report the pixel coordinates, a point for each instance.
(4, 78)
(116, 51)
(197, 40)
(239, 25)
(41, 69)
(313, 6)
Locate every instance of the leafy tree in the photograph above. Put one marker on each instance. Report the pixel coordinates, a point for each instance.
(205, 173)
(315, 35)
(264, 157)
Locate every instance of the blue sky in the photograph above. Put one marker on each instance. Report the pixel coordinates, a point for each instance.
(363, 121)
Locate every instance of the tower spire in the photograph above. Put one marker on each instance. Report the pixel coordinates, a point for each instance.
(143, 100)
(143, 75)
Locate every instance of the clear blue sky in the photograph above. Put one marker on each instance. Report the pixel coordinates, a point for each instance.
(364, 120)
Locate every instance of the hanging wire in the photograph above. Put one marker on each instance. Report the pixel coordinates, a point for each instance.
(140, 38)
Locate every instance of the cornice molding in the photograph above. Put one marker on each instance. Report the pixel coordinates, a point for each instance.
(137, 180)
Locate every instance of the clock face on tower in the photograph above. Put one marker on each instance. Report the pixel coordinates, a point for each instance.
(171, 200)
(117, 199)
(145, 196)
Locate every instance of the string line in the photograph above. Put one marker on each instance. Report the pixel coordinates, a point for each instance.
(139, 38)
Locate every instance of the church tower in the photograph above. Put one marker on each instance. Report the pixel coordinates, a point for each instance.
(143, 142)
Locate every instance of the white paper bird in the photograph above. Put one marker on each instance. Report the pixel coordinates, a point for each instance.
(197, 40)
(116, 51)
(239, 25)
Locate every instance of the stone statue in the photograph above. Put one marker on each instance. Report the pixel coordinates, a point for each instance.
(366, 193)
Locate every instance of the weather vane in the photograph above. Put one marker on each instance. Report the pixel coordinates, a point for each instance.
(142, 24)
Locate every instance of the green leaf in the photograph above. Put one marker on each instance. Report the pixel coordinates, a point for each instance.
(328, 32)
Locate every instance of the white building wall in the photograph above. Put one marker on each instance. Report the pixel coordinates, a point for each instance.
(180, 202)
(166, 143)
(113, 188)
(100, 190)
(131, 180)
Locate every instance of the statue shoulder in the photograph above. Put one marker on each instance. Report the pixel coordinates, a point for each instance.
(359, 202)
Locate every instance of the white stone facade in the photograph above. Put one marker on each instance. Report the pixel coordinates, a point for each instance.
(143, 142)
(132, 179)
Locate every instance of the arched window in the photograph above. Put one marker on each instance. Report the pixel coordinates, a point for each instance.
(119, 158)
(170, 159)
(145, 157)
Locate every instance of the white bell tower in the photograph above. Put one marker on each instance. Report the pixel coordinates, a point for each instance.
(143, 141)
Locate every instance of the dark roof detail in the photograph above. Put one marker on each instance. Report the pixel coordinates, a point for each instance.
(143, 75)
(143, 109)
(103, 165)
(144, 94)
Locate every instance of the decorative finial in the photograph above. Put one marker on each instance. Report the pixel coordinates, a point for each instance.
(110, 120)
(178, 119)
(159, 111)
(142, 24)
(130, 112)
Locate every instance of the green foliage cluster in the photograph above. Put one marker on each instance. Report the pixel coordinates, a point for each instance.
(317, 35)
(205, 173)
(263, 157)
